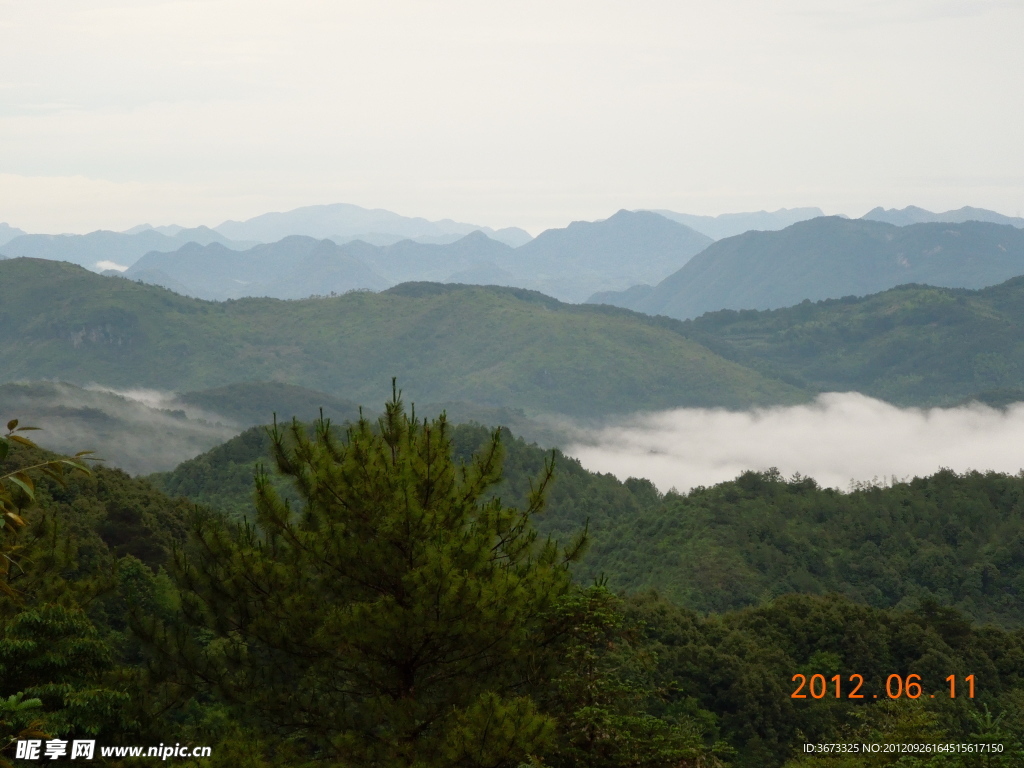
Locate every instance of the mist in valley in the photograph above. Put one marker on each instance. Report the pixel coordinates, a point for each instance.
(137, 430)
(840, 439)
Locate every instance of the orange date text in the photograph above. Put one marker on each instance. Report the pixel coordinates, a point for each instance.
(896, 686)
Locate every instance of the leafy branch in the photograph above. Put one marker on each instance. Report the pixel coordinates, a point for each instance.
(18, 487)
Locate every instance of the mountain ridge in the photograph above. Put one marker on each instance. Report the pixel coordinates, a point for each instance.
(340, 220)
(8, 233)
(92, 249)
(830, 257)
(495, 347)
(728, 224)
(569, 264)
(294, 268)
(914, 215)
(912, 345)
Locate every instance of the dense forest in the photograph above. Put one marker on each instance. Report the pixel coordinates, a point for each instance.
(412, 593)
(912, 345)
(955, 539)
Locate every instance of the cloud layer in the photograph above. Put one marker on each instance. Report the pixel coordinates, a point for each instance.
(838, 439)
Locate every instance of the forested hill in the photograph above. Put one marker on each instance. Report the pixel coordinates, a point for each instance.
(492, 346)
(912, 345)
(222, 478)
(93, 563)
(957, 540)
(831, 257)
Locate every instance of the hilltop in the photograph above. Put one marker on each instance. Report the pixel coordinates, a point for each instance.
(496, 347)
(911, 345)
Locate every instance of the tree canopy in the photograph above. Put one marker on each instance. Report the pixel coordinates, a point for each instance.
(396, 617)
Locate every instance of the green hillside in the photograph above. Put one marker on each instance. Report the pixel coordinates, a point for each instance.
(724, 678)
(912, 345)
(954, 539)
(957, 540)
(223, 478)
(495, 347)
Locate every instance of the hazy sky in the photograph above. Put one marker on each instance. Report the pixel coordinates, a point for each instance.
(500, 113)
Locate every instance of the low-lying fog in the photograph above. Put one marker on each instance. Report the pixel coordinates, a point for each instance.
(138, 430)
(838, 439)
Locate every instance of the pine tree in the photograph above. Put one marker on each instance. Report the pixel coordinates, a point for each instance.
(398, 618)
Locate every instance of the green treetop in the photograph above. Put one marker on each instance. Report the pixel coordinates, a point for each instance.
(398, 618)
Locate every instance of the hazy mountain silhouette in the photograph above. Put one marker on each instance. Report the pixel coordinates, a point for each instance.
(105, 246)
(295, 267)
(343, 222)
(569, 264)
(729, 224)
(914, 215)
(384, 238)
(830, 257)
(170, 229)
(408, 260)
(627, 248)
(8, 233)
(300, 266)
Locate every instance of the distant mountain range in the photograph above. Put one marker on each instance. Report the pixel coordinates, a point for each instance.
(343, 223)
(294, 268)
(729, 224)
(319, 250)
(914, 215)
(8, 233)
(829, 257)
(104, 249)
(340, 223)
(569, 264)
(617, 250)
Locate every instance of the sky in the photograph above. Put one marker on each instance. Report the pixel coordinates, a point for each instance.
(522, 113)
(840, 439)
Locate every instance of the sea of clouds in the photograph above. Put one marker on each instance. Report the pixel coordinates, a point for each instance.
(839, 439)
